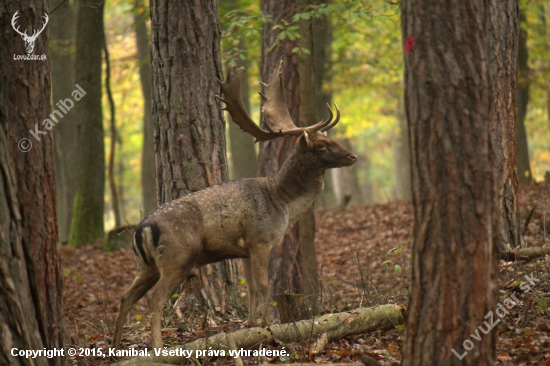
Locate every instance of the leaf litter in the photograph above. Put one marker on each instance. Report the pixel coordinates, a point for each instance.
(363, 253)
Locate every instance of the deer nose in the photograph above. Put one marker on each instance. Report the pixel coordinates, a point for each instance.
(353, 157)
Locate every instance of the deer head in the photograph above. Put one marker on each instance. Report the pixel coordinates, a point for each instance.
(29, 40)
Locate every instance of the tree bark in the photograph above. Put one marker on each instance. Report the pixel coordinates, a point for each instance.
(309, 117)
(322, 40)
(148, 180)
(449, 99)
(189, 128)
(523, 166)
(285, 262)
(87, 220)
(30, 277)
(503, 30)
(62, 27)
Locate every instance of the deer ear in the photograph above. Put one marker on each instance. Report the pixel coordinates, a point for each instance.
(304, 143)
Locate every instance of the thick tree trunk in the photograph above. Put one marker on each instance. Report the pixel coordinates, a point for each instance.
(62, 27)
(190, 131)
(30, 277)
(449, 99)
(523, 166)
(285, 262)
(87, 220)
(503, 30)
(148, 181)
(402, 157)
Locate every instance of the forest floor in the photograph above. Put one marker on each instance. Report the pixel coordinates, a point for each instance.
(364, 260)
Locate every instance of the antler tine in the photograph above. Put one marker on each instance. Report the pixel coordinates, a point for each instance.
(333, 123)
(320, 125)
(233, 99)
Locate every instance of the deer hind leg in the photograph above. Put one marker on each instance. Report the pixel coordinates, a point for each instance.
(252, 293)
(148, 276)
(172, 276)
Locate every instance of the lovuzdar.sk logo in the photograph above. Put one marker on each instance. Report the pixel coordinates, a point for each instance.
(29, 40)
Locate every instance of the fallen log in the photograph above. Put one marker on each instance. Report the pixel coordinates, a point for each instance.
(525, 253)
(335, 326)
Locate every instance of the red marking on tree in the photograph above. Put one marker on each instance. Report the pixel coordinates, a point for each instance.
(409, 43)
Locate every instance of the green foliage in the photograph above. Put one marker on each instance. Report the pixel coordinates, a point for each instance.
(366, 80)
(537, 122)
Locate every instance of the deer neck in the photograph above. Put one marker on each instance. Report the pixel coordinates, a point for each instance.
(298, 180)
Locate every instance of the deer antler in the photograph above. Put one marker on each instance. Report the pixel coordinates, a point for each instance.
(13, 19)
(276, 116)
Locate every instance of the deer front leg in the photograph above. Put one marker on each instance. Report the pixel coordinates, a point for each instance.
(260, 263)
(252, 293)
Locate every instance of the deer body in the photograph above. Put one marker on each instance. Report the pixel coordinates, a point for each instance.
(244, 219)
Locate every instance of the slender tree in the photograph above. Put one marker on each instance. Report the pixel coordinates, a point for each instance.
(190, 131)
(148, 181)
(402, 157)
(87, 220)
(30, 276)
(322, 39)
(449, 98)
(241, 145)
(62, 27)
(523, 166)
(308, 114)
(503, 49)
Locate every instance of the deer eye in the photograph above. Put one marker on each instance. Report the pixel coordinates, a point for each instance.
(321, 146)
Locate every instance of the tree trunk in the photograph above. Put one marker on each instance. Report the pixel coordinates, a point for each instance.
(322, 40)
(402, 157)
(309, 117)
(30, 276)
(62, 27)
(285, 262)
(190, 131)
(87, 220)
(449, 99)
(148, 181)
(524, 169)
(503, 29)
(241, 145)
(115, 139)
(243, 155)
(346, 182)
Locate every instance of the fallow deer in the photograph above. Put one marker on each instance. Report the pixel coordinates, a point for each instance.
(244, 219)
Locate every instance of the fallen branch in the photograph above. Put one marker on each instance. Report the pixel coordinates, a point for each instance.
(335, 326)
(524, 253)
